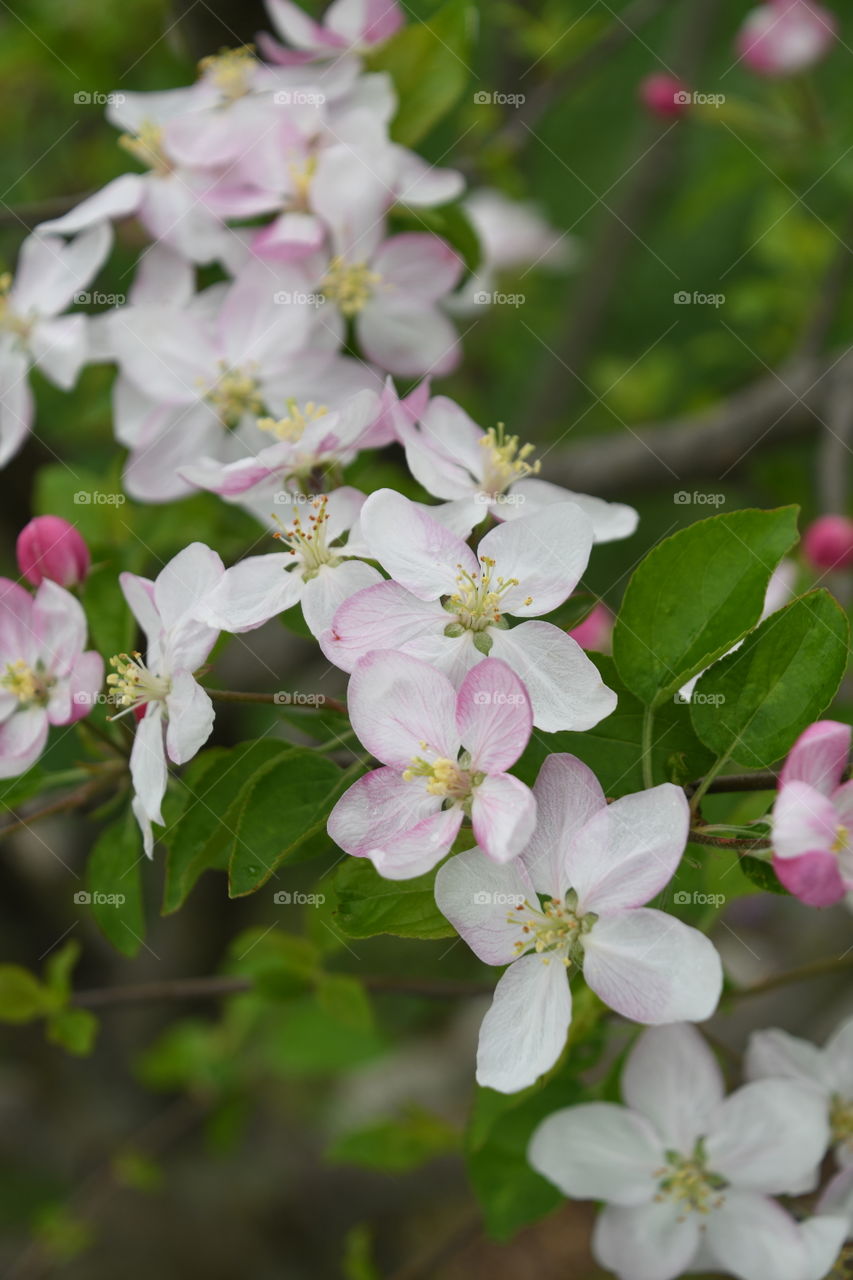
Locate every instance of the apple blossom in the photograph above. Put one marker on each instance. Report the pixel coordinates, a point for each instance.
(445, 756)
(828, 543)
(453, 458)
(783, 37)
(47, 677)
(50, 547)
(50, 274)
(813, 816)
(664, 95)
(448, 606)
(175, 715)
(829, 1070)
(687, 1174)
(356, 25)
(596, 630)
(575, 897)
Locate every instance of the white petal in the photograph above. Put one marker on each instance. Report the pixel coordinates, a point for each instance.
(598, 1151)
(524, 1032)
(322, 596)
(402, 709)
(672, 1078)
(148, 763)
(251, 592)
(546, 553)
(565, 687)
(479, 898)
(567, 795)
(776, 1053)
(418, 552)
(610, 520)
(754, 1238)
(651, 1242)
(190, 718)
(769, 1136)
(503, 814)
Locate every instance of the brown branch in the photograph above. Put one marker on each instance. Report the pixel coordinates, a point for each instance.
(68, 803)
(763, 780)
(817, 969)
(280, 699)
(740, 844)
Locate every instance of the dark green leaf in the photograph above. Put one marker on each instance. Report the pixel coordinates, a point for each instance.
(396, 1144)
(114, 885)
(22, 996)
(368, 905)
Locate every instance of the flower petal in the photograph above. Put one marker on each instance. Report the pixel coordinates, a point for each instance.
(503, 814)
(769, 1136)
(493, 716)
(804, 821)
(672, 1078)
(148, 769)
(418, 265)
(323, 595)
(524, 1031)
(479, 897)
(380, 617)
(819, 756)
(754, 1238)
(565, 688)
(190, 718)
(545, 553)
(567, 795)
(22, 739)
(815, 878)
(650, 1242)
(408, 338)
(610, 520)
(598, 1151)
(401, 709)
(777, 1055)
(418, 552)
(251, 592)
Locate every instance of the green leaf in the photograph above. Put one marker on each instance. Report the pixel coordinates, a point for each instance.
(762, 875)
(428, 62)
(398, 1144)
(278, 810)
(612, 748)
(754, 703)
(73, 1029)
(694, 596)
(345, 999)
(111, 624)
(58, 969)
(280, 964)
(368, 905)
(114, 885)
(22, 996)
(200, 840)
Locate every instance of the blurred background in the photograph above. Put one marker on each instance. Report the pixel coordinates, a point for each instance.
(681, 344)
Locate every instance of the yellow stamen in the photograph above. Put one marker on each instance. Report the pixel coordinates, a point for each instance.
(132, 684)
(505, 460)
(293, 426)
(30, 687)
(235, 394)
(146, 146)
(230, 71)
(444, 777)
(309, 541)
(350, 285)
(476, 601)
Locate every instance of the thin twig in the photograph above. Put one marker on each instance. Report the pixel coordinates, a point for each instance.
(740, 844)
(817, 969)
(280, 699)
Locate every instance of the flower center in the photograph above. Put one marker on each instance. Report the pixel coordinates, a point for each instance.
(553, 929)
(477, 599)
(688, 1181)
(309, 541)
(231, 71)
(235, 394)
(842, 839)
(146, 146)
(444, 777)
(505, 460)
(132, 684)
(30, 686)
(841, 1120)
(10, 321)
(302, 175)
(350, 284)
(293, 426)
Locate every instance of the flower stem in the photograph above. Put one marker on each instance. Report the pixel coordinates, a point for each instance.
(648, 726)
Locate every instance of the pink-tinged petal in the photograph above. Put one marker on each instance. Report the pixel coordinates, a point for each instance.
(479, 898)
(289, 238)
(418, 552)
(16, 402)
(323, 595)
(378, 617)
(415, 852)
(647, 1242)
(567, 795)
(815, 878)
(164, 351)
(251, 592)
(565, 688)
(524, 1031)
(148, 769)
(154, 469)
(417, 265)
(18, 637)
(611, 521)
(84, 684)
(397, 825)
(598, 1151)
(819, 756)
(407, 337)
(364, 22)
(628, 851)
(493, 716)
(673, 1079)
(185, 582)
(546, 553)
(454, 656)
(401, 709)
(118, 199)
(804, 820)
(421, 185)
(503, 815)
(837, 1196)
(163, 277)
(842, 798)
(440, 474)
(190, 717)
(22, 740)
(753, 1237)
(49, 271)
(777, 1055)
(446, 430)
(60, 623)
(294, 24)
(651, 968)
(769, 1136)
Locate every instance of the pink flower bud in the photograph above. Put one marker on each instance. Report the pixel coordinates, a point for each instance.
(50, 547)
(786, 36)
(664, 96)
(595, 630)
(828, 543)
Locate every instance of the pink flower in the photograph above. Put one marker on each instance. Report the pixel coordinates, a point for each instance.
(454, 458)
(786, 36)
(575, 898)
(445, 757)
(49, 276)
(595, 631)
(45, 676)
(813, 816)
(688, 1175)
(664, 95)
(828, 543)
(177, 714)
(449, 607)
(356, 25)
(50, 547)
